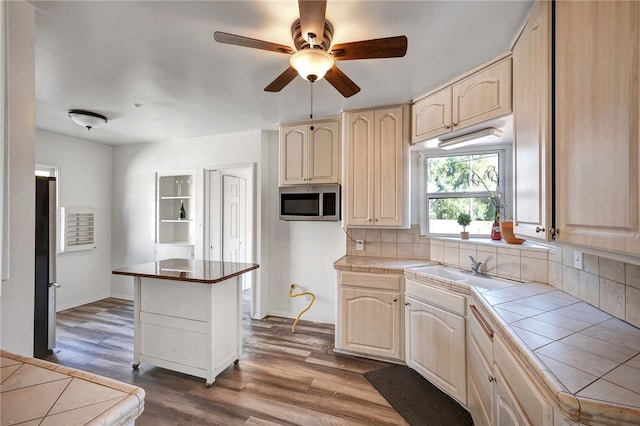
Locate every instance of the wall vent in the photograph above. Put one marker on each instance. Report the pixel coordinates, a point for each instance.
(77, 229)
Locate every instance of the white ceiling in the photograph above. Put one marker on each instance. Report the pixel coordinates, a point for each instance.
(109, 56)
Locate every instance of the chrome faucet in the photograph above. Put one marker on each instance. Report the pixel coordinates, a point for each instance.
(475, 266)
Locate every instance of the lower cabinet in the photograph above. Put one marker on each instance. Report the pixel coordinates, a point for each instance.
(480, 368)
(500, 393)
(435, 337)
(369, 315)
(518, 402)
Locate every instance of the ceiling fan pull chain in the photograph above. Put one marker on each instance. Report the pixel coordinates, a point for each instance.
(311, 114)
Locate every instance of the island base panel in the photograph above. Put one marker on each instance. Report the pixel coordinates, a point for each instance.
(202, 339)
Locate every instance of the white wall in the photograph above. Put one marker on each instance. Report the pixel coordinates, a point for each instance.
(133, 209)
(313, 247)
(300, 252)
(84, 181)
(18, 291)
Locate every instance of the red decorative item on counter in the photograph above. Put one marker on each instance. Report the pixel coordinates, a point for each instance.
(496, 234)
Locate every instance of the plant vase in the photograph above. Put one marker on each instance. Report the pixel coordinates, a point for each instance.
(496, 234)
(464, 235)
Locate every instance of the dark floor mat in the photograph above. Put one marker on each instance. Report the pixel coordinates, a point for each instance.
(416, 399)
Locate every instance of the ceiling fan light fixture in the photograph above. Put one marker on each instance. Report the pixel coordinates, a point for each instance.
(312, 64)
(87, 119)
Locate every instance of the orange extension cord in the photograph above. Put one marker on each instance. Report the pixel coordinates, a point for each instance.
(304, 293)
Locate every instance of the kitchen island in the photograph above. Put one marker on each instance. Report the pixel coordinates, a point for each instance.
(188, 314)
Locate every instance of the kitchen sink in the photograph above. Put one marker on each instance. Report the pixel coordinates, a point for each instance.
(441, 272)
(480, 281)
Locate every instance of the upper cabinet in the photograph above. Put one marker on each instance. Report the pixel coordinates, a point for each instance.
(481, 96)
(376, 184)
(595, 198)
(597, 124)
(310, 154)
(532, 139)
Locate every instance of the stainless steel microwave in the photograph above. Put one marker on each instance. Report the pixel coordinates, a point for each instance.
(310, 202)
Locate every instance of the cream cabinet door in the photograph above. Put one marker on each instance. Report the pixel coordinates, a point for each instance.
(507, 411)
(480, 369)
(435, 346)
(431, 116)
(532, 125)
(370, 321)
(388, 166)
(293, 154)
(324, 153)
(359, 157)
(517, 399)
(597, 124)
(483, 95)
(376, 167)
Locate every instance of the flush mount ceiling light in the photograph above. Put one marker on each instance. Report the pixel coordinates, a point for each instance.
(87, 119)
(311, 64)
(490, 134)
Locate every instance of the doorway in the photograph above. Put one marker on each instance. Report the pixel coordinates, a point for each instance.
(230, 218)
(45, 281)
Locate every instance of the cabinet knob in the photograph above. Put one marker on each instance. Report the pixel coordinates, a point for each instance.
(395, 300)
(369, 220)
(538, 229)
(491, 378)
(407, 304)
(446, 126)
(455, 124)
(554, 233)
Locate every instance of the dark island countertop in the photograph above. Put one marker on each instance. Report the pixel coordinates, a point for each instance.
(195, 271)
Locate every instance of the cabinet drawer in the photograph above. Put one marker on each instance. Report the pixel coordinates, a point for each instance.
(185, 300)
(382, 281)
(481, 331)
(175, 345)
(434, 296)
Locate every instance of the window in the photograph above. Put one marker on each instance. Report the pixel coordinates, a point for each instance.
(472, 183)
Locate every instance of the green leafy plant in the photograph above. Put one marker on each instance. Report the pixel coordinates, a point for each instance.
(464, 220)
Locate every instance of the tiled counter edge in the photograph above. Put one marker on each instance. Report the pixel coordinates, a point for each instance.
(124, 413)
(577, 408)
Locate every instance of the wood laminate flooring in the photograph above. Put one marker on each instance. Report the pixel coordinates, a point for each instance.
(283, 378)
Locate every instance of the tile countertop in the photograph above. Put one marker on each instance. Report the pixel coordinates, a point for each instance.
(37, 392)
(378, 265)
(584, 358)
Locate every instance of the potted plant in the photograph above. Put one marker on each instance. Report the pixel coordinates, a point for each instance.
(464, 220)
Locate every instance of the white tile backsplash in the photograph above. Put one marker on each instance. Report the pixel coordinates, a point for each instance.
(611, 269)
(608, 284)
(590, 288)
(612, 297)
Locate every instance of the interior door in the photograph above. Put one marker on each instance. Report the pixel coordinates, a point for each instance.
(233, 218)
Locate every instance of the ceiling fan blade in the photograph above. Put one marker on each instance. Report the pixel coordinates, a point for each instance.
(390, 47)
(237, 40)
(312, 16)
(282, 80)
(341, 82)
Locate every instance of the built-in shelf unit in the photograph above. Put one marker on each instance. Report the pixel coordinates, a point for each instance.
(174, 232)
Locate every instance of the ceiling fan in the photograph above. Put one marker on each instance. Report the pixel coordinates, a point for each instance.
(314, 57)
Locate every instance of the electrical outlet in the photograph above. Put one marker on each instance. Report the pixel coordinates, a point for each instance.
(577, 260)
(360, 245)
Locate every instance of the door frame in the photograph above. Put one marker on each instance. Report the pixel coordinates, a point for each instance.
(212, 181)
